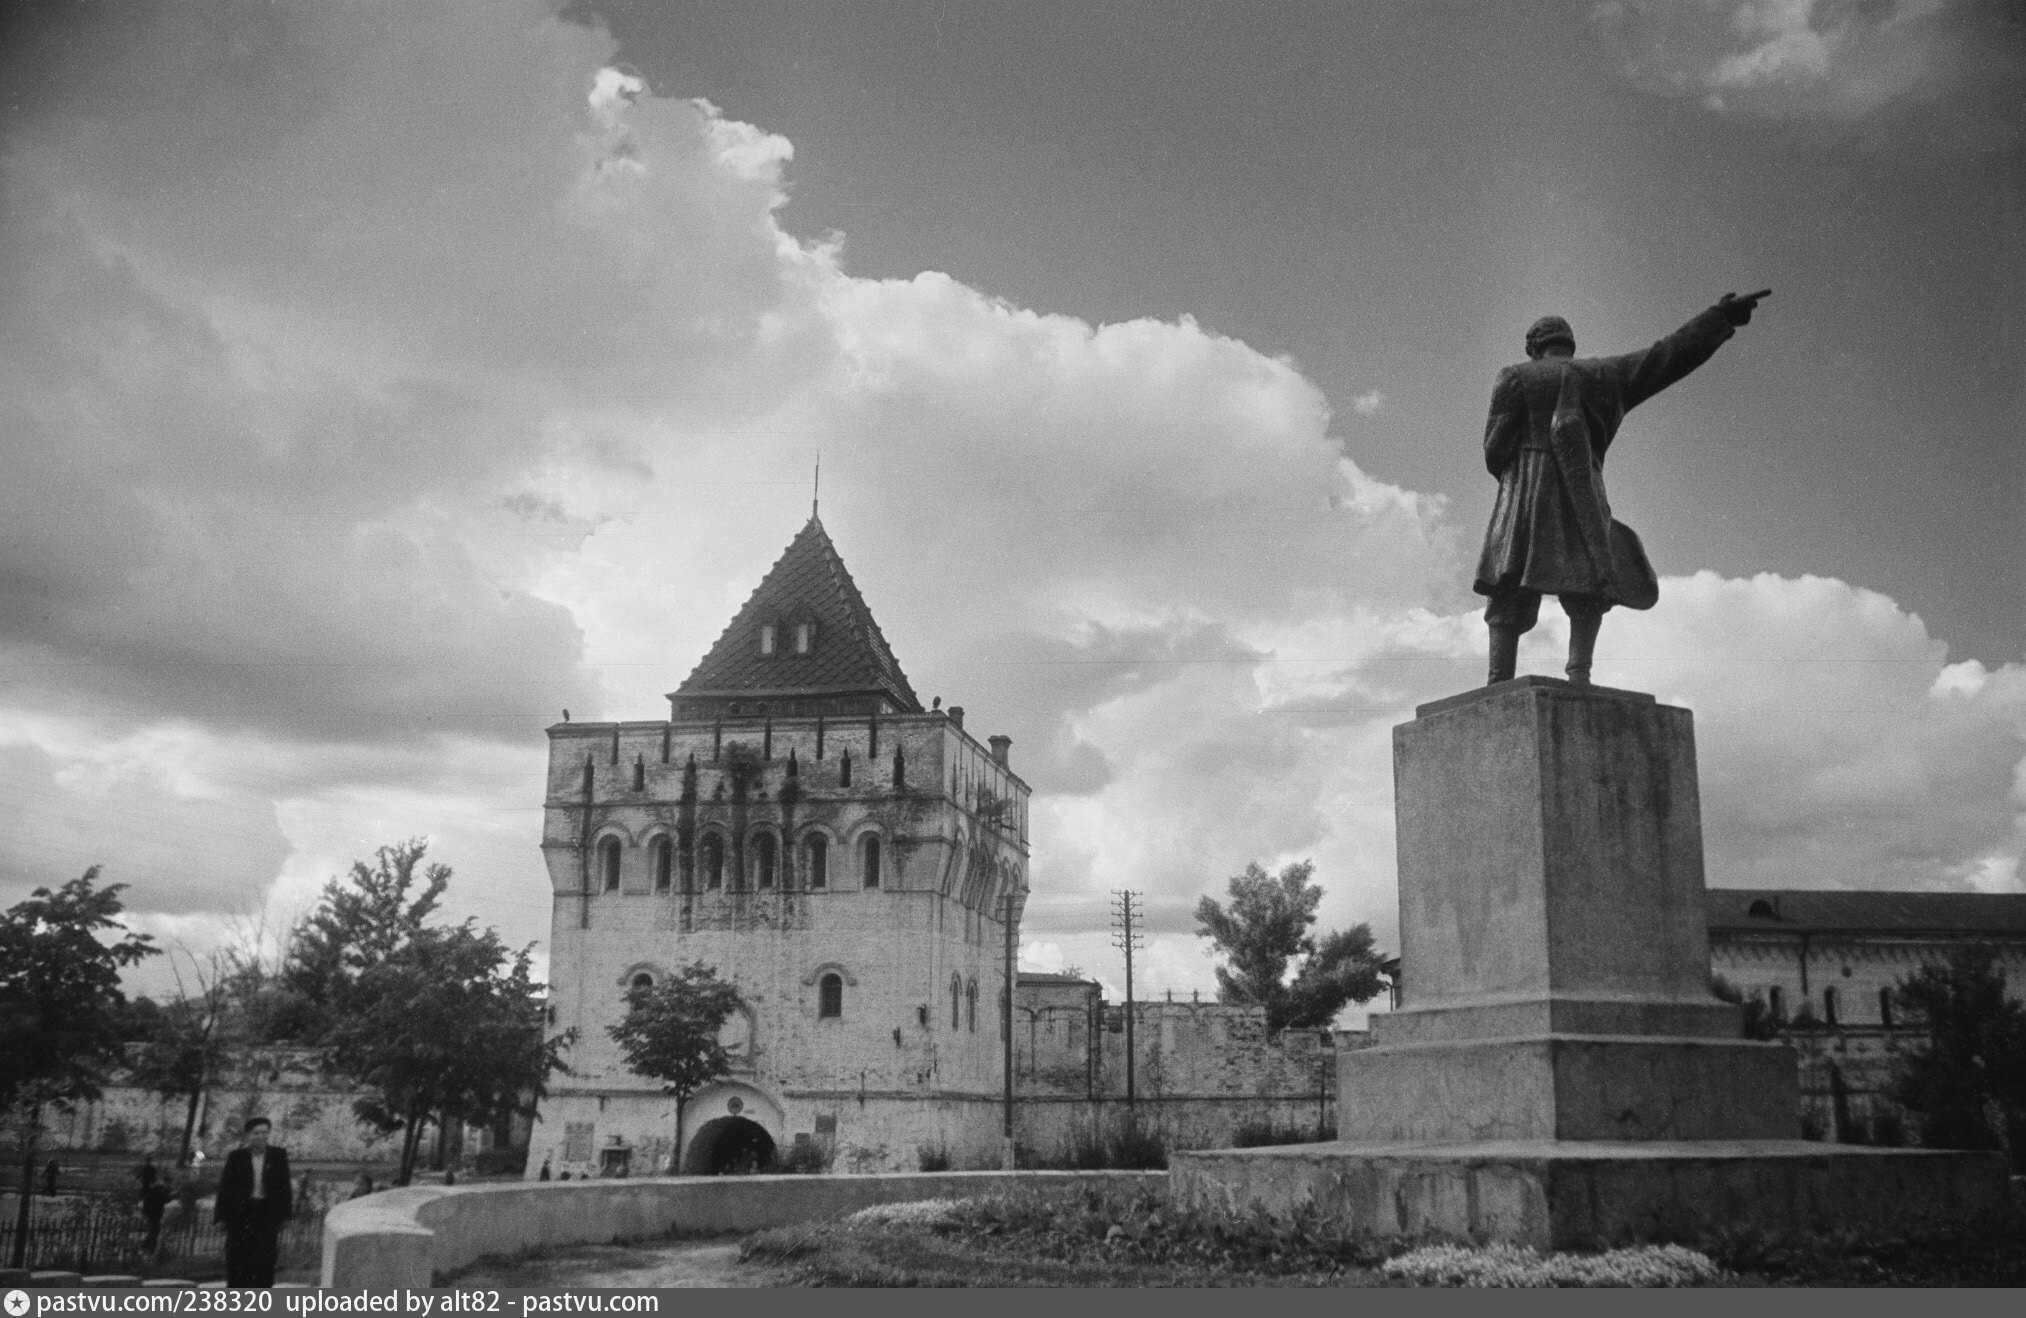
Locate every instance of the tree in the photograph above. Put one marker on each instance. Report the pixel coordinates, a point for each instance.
(431, 1021)
(61, 1009)
(670, 1033)
(1265, 928)
(1755, 1018)
(1968, 1085)
(352, 929)
(186, 1042)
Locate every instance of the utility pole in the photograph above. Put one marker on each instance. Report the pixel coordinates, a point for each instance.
(1127, 937)
(1006, 1153)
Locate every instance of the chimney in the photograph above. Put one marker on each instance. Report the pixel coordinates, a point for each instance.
(1000, 745)
(957, 716)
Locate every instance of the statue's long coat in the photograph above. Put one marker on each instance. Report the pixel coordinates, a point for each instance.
(1551, 421)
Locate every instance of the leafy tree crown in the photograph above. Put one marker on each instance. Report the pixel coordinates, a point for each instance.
(671, 1029)
(1265, 929)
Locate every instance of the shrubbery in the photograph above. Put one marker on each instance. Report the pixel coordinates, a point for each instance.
(1264, 1134)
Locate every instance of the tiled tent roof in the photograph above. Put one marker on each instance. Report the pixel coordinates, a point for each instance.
(809, 580)
(1797, 910)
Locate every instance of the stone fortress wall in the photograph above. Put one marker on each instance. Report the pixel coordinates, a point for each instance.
(1202, 1072)
(312, 1116)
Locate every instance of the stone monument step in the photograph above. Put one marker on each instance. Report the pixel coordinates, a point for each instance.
(1569, 1087)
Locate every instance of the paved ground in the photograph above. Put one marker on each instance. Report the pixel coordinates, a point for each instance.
(677, 1263)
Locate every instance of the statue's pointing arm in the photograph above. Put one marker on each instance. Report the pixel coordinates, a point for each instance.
(1644, 374)
(1507, 426)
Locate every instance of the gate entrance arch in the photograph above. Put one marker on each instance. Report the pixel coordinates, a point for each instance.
(730, 1127)
(728, 1146)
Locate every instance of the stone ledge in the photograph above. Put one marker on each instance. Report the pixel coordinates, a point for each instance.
(1533, 682)
(1553, 1194)
(1520, 1015)
(408, 1237)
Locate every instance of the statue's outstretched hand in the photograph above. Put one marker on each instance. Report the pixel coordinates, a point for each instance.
(1738, 310)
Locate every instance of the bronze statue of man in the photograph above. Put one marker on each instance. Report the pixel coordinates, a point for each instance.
(1552, 418)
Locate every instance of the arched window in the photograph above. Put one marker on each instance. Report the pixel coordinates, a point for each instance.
(608, 863)
(713, 862)
(844, 770)
(1885, 1007)
(830, 997)
(805, 633)
(971, 1005)
(763, 860)
(767, 633)
(1776, 1005)
(956, 1003)
(664, 863)
(1828, 1006)
(869, 856)
(819, 861)
(1762, 909)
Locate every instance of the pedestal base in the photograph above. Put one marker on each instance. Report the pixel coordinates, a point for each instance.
(1568, 1087)
(1554, 1194)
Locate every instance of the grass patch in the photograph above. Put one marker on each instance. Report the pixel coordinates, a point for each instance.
(1094, 1236)
(1109, 1236)
(1917, 1254)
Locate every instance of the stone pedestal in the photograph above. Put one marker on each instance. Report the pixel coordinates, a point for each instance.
(1559, 1073)
(1552, 935)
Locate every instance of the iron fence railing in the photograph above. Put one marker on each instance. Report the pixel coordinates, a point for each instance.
(98, 1234)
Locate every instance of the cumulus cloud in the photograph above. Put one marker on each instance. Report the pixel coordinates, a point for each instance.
(347, 448)
(1817, 60)
(1837, 747)
(1369, 403)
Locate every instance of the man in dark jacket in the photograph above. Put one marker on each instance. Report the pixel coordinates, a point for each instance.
(1551, 533)
(254, 1199)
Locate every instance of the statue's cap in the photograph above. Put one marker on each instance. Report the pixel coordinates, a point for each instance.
(1546, 330)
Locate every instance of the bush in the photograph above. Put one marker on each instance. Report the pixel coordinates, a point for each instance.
(1136, 1150)
(803, 1158)
(1263, 1134)
(933, 1159)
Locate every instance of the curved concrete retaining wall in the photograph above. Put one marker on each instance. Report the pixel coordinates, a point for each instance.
(409, 1237)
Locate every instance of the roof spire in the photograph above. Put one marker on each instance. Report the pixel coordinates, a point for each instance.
(816, 494)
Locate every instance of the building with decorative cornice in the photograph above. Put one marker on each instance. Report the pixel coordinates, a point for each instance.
(848, 859)
(1828, 966)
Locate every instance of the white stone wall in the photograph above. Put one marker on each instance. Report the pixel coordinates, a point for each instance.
(1856, 966)
(1202, 1072)
(312, 1117)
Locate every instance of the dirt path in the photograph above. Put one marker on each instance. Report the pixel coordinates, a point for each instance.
(677, 1263)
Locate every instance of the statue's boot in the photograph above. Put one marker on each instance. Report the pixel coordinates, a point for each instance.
(1504, 654)
(1582, 644)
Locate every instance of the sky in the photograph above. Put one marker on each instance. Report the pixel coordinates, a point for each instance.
(378, 380)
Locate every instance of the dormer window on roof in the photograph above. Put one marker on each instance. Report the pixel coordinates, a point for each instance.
(805, 641)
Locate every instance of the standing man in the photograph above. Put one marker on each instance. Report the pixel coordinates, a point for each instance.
(154, 1203)
(1551, 533)
(254, 1200)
